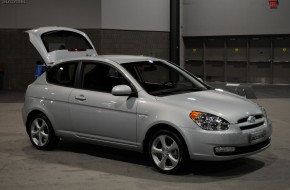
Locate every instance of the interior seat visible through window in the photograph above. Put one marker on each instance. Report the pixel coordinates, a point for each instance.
(101, 77)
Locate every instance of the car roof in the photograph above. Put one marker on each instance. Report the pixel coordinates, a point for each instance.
(120, 59)
(128, 58)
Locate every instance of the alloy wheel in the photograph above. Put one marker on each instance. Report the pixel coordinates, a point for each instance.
(39, 132)
(165, 152)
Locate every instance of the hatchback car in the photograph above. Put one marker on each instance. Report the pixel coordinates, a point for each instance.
(138, 103)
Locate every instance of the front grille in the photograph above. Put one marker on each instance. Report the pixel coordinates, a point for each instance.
(252, 126)
(245, 149)
(245, 118)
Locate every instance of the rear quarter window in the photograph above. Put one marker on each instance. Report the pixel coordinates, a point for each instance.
(63, 74)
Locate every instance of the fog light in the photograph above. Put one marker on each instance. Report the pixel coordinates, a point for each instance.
(221, 149)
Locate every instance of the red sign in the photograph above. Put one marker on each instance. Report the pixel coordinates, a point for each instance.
(273, 4)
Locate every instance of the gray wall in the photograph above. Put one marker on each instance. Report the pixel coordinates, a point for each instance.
(37, 13)
(150, 15)
(234, 17)
(151, 43)
(19, 56)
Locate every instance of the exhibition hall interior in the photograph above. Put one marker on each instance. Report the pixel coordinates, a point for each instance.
(144, 94)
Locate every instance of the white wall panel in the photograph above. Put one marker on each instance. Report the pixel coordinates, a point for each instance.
(234, 17)
(36, 13)
(151, 15)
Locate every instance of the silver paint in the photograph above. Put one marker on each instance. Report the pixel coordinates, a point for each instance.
(123, 121)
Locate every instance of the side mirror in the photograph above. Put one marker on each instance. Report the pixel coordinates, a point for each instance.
(121, 90)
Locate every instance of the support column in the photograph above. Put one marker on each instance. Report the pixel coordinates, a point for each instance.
(175, 31)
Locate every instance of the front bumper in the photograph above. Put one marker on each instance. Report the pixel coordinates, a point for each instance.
(201, 143)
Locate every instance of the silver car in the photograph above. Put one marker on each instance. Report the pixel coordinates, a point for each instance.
(135, 102)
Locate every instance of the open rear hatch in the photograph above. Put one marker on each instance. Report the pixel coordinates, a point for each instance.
(57, 43)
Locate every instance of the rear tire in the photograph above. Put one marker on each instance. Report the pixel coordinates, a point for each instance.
(41, 133)
(167, 152)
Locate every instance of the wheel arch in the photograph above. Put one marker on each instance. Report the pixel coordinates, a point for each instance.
(30, 115)
(158, 127)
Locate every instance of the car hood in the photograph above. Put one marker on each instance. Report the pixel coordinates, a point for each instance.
(224, 104)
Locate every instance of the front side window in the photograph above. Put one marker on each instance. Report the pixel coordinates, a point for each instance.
(101, 77)
(63, 74)
(158, 78)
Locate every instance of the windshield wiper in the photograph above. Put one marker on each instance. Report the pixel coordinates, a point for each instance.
(188, 89)
(175, 91)
(161, 92)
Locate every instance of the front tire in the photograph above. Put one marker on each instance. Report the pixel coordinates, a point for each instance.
(167, 152)
(41, 133)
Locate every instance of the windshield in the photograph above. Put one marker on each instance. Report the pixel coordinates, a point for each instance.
(160, 78)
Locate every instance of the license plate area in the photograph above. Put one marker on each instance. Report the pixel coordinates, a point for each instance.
(257, 136)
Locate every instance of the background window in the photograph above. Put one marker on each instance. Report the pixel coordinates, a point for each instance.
(101, 77)
(63, 74)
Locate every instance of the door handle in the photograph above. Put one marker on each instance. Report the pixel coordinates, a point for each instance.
(80, 98)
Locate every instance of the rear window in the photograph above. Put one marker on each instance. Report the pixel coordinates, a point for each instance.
(60, 40)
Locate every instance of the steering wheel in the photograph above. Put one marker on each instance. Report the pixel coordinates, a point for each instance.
(165, 83)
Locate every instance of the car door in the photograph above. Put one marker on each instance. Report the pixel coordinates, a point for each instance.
(98, 115)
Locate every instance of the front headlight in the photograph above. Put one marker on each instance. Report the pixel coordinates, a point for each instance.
(263, 111)
(208, 121)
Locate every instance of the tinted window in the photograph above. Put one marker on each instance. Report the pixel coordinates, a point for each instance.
(154, 73)
(63, 74)
(59, 40)
(158, 78)
(101, 77)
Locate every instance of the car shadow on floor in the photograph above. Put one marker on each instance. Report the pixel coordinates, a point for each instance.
(137, 165)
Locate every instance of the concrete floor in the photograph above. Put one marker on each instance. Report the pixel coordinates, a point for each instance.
(80, 166)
